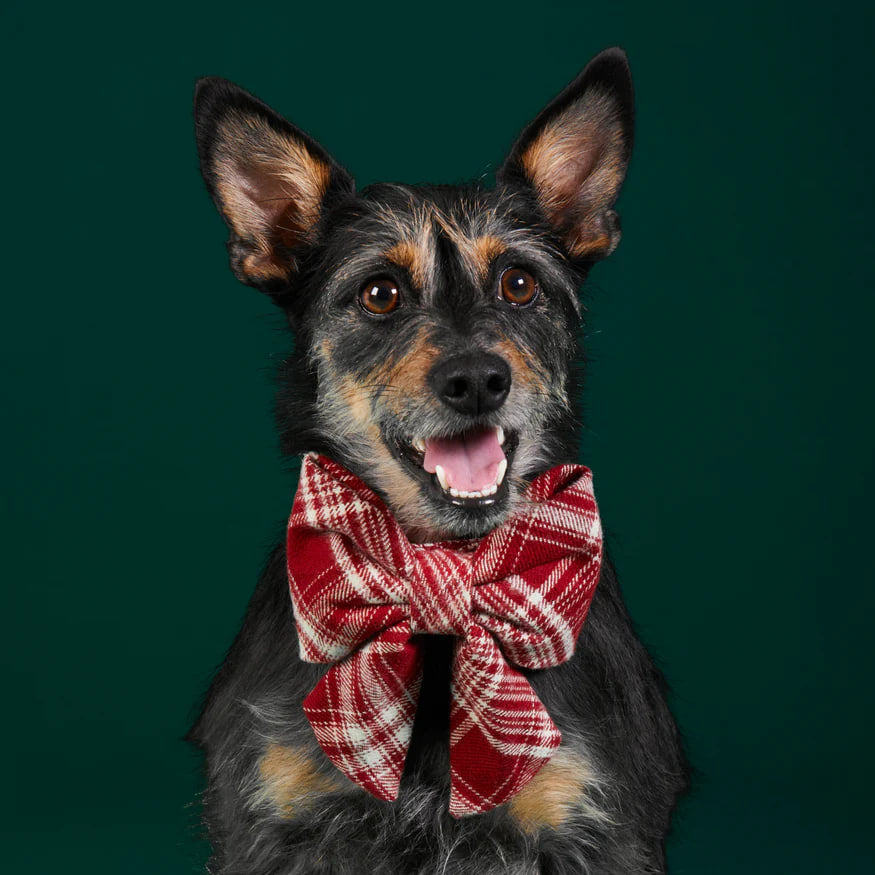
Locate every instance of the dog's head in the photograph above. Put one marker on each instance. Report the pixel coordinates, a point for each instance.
(435, 326)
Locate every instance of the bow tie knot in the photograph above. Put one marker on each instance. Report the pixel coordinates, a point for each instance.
(363, 594)
(440, 603)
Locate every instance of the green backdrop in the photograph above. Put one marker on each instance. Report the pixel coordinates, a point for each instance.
(729, 400)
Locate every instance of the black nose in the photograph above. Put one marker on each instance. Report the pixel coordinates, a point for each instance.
(472, 383)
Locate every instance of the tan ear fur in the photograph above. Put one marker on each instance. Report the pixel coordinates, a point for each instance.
(576, 164)
(270, 187)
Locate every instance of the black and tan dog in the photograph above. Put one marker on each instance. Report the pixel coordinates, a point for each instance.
(444, 317)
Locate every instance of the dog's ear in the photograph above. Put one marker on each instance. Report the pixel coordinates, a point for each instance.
(575, 153)
(269, 180)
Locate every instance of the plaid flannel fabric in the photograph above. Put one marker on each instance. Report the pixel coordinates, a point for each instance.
(517, 597)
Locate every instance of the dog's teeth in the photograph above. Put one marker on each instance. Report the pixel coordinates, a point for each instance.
(475, 495)
(463, 493)
(419, 444)
(490, 490)
(502, 469)
(454, 493)
(499, 433)
(442, 477)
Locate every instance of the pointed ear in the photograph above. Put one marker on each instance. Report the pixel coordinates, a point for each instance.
(269, 180)
(575, 153)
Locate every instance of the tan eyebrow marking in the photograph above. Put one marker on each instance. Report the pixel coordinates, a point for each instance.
(478, 252)
(413, 256)
(486, 250)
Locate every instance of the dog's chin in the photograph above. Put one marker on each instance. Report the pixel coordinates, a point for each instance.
(439, 522)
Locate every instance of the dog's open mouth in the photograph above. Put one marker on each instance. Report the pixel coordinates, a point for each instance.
(467, 469)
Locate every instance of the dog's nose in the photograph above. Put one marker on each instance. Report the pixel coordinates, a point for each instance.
(472, 383)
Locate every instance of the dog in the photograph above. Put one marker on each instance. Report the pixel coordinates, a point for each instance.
(444, 322)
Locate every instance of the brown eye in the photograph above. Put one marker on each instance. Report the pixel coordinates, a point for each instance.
(379, 296)
(518, 287)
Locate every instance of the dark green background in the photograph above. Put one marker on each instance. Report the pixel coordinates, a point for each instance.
(729, 401)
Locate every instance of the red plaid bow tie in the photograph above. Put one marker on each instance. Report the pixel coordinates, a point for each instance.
(361, 591)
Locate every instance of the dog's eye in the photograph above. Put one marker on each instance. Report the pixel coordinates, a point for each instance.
(518, 287)
(379, 296)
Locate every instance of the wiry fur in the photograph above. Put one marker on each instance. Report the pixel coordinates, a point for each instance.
(356, 388)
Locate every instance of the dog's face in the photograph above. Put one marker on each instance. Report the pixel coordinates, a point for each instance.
(438, 323)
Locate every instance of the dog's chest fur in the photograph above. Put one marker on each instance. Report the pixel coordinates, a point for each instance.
(436, 340)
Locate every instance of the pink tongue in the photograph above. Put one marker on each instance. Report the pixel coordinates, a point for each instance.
(470, 460)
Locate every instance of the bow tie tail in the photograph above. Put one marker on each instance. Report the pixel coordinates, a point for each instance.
(362, 711)
(500, 733)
